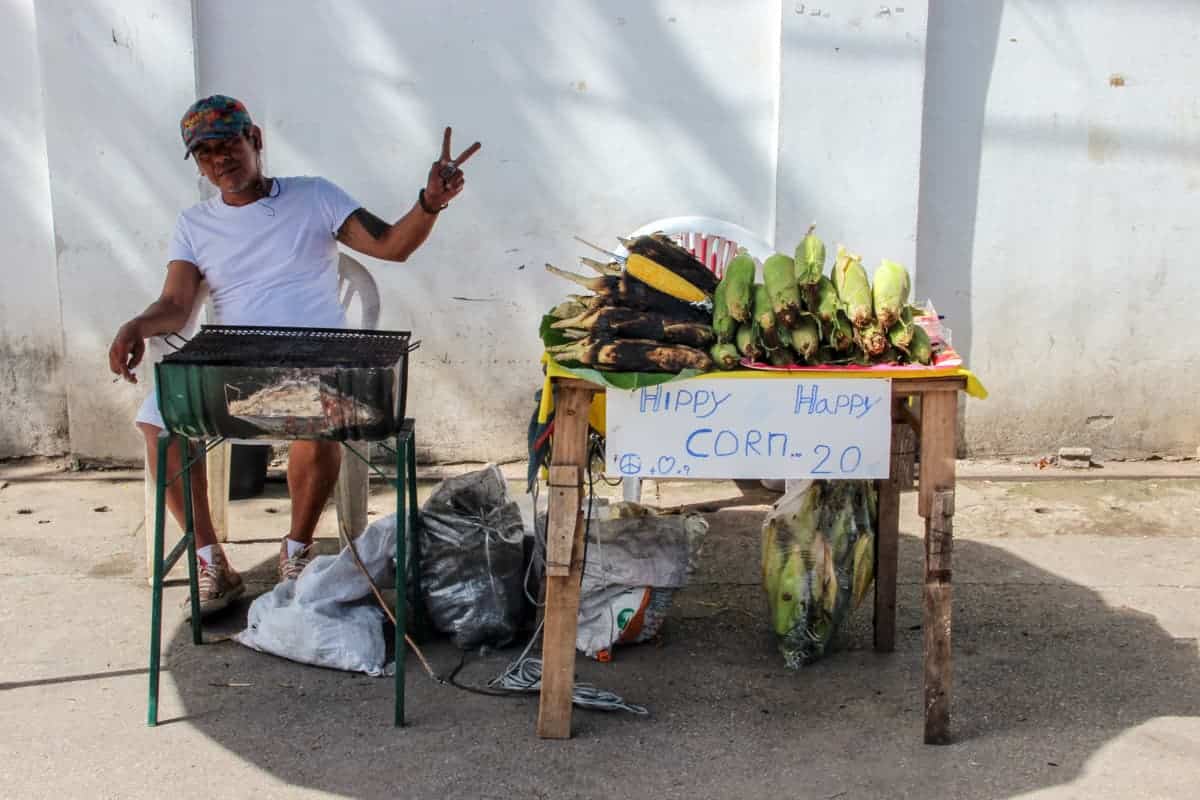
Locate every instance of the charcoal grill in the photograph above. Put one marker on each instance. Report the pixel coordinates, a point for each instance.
(284, 383)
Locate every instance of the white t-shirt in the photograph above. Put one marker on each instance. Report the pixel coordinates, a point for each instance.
(272, 262)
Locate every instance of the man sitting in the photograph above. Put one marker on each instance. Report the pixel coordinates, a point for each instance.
(267, 248)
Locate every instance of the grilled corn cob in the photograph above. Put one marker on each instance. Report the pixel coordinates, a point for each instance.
(567, 309)
(671, 256)
(658, 277)
(610, 268)
(612, 290)
(779, 277)
(614, 322)
(633, 355)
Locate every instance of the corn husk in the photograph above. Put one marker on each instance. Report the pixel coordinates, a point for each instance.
(810, 258)
(901, 333)
(872, 339)
(779, 278)
(853, 288)
(748, 343)
(827, 302)
(725, 356)
(920, 349)
(806, 337)
(890, 292)
(840, 333)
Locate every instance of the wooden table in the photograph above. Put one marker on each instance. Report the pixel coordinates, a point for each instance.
(936, 427)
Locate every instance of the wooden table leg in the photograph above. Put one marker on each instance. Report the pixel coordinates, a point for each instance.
(887, 540)
(571, 404)
(936, 502)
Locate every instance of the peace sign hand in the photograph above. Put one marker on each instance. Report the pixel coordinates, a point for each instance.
(446, 180)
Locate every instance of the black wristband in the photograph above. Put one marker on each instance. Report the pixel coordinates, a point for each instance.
(426, 208)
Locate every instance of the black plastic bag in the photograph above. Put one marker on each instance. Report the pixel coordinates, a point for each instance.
(472, 559)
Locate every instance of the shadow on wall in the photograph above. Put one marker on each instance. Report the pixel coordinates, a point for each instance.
(114, 192)
(591, 126)
(1045, 671)
(960, 53)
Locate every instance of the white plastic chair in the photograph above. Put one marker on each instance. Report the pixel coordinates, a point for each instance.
(714, 242)
(356, 288)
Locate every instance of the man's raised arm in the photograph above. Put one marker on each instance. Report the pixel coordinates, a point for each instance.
(370, 235)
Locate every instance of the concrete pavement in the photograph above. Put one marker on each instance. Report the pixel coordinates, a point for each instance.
(1077, 672)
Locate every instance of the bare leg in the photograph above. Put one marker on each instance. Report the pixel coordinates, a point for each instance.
(205, 535)
(312, 474)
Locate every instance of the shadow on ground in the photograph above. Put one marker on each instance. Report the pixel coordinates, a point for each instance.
(1046, 673)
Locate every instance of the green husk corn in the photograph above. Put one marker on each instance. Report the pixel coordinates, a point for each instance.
(841, 332)
(781, 357)
(853, 288)
(900, 334)
(890, 292)
(788, 594)
(779, 277)
(810, 265)
(826, 306)
(920, 349)
(725, 356)
(872, 339)
(748, 343)
(864, 569)
(739, 277)
(890, 355)
(764, 317)
(806, 337)
(810, 258)
(773, 558)
(724, 325)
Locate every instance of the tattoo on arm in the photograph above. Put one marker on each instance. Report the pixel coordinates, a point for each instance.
(372, 224)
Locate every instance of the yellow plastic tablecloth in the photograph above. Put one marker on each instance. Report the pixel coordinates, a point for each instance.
(596, 414)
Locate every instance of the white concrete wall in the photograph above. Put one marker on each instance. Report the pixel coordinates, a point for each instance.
(1051, 222)
(33, 400)
(595, 117)
(850, 126)
(116, 74)
(1059, 217)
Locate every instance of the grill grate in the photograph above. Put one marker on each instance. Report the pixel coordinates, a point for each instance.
(229, 345)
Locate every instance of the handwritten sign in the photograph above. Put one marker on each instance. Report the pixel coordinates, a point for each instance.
(770, 428)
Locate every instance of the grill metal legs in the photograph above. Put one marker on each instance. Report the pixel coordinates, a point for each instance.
(161, 566)
(406, 526)
(407, 520)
